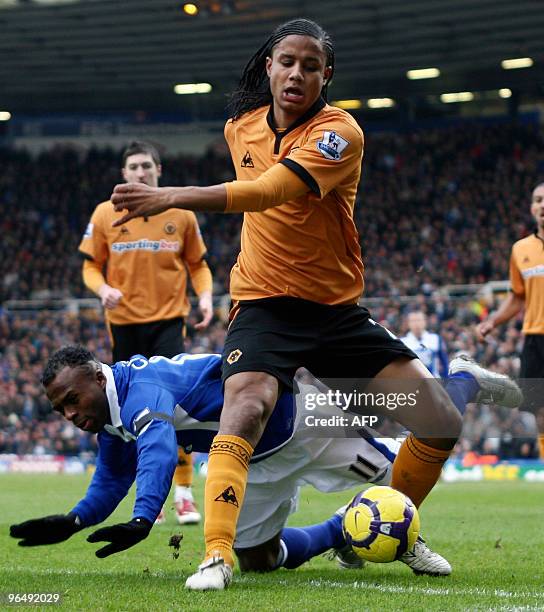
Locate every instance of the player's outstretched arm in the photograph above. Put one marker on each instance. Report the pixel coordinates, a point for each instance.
(157, 458)
(140, 200)
(46, 530)
(115, 472)
(272, 188)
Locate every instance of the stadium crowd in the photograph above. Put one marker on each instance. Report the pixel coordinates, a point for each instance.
(463, 189)
(28, 426)
(436, 207)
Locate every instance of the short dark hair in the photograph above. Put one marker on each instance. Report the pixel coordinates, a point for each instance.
(139, 146)
(254, 90)
(73, 356)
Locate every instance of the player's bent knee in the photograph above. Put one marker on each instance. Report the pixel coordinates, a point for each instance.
(251, 564)
(247, 420)
(434, 414)
(456, 421)
(250, 398)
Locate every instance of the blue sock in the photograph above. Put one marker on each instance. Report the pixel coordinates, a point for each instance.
(303, 543)
(463, 388)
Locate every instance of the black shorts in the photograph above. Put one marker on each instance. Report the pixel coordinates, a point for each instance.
(280, 335)
(532, 357)
(532, 372)
(156, 338)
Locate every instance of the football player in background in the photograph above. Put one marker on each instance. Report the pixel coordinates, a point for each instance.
(431, 350)
(527, 293)
(428, 346)
(144, 292)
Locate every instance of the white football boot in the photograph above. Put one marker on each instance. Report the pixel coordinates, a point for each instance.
(212, 575)
(495, 388)
(186, 513)
(345, 557)
(423, 561)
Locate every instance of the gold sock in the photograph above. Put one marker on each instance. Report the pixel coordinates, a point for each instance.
(183, 476)
(541, 445)
(417, 468)
(228, 463)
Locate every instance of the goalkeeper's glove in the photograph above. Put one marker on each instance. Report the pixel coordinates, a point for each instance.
(121, 536)
(46, 530)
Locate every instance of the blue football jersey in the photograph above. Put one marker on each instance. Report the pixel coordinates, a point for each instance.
(431, 350)
(155, 405)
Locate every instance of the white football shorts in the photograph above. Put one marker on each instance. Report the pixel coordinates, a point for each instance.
(327, 464)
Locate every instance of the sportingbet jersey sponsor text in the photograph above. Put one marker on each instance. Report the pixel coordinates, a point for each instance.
(309, 247)
(145, 260)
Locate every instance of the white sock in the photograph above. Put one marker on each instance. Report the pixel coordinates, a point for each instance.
(182, 494)
(282, 555)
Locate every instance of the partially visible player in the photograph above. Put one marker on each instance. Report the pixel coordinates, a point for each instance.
(527, 292)
(428, 346)
(144, 293)
(143, 409)
(431, 350)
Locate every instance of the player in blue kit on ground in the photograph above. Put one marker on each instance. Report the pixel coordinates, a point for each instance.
(143, 409)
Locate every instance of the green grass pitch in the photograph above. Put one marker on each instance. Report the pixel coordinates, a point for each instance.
(492, 534)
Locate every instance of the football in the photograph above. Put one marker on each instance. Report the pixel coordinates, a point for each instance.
(381, 524)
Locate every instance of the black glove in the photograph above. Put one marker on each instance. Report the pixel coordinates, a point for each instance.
(46, 530)
(121, 536)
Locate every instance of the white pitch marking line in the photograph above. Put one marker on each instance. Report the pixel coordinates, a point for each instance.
(387, 588)
(358, 584)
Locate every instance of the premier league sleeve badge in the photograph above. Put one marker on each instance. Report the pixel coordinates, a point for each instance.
(332, 145)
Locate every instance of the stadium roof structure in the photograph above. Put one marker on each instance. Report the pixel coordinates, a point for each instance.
(127, 55)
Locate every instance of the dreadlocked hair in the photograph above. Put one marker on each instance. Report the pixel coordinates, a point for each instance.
(254, 89)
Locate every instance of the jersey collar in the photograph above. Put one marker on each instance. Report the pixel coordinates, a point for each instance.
(535, 232)
(111, 394)
(309, 114)
(116, 428)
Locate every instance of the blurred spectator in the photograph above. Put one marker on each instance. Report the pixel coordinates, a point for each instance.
(461, 189)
